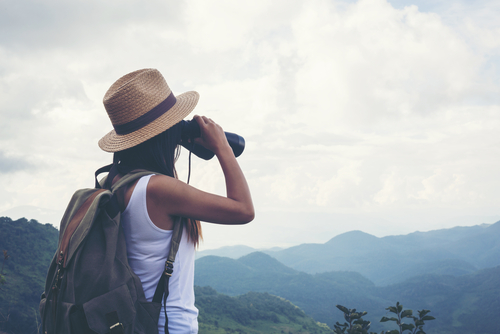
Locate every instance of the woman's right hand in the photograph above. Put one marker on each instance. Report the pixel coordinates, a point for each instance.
(186, 201)
(212, 135)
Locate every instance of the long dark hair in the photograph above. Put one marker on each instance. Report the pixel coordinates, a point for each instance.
(159, 155)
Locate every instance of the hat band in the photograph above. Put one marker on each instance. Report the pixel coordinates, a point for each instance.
(145, 119)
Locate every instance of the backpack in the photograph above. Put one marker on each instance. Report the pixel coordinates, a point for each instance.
(90, 287)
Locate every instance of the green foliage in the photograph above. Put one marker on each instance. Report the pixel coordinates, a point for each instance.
(356, 325)
(5, 258)
(418, 322)
(462, 305)
(29, 247)
(251, 313)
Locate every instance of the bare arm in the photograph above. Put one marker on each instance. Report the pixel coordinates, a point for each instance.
(174, 197)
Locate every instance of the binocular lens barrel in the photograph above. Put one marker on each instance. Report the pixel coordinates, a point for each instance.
(191, 130)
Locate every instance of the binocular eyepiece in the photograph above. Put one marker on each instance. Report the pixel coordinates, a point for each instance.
(191, 130)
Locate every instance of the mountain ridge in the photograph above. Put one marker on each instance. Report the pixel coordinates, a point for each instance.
(475, 296)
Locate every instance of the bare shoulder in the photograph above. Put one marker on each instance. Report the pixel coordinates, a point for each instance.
(164, 189)
(163, 185)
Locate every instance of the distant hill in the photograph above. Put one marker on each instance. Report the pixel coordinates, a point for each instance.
(316, 294)
(463, 303)
(31, 247)
(392, 259)
(233, 252)
(460, 304)
(252, 313)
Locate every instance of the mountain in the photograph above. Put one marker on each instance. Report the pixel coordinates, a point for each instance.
(30, 247)
(391, 259)
(316, 294)
(462, 302)
(466, 304)
(233, 252)
(252, 313)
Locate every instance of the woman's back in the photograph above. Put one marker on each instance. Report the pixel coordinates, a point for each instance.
(147, 250)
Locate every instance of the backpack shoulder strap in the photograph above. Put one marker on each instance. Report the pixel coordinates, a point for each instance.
(129, 178)
(176, 239)
(161, 291)
(162, 287)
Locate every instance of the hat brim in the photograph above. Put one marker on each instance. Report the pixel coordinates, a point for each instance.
(186, 102)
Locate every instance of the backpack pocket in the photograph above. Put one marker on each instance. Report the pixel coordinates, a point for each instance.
(116, 304)
(56, 317)
(148, 314)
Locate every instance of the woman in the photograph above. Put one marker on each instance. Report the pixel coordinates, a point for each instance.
(145, 115)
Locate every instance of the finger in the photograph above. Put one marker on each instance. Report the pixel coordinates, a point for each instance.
(198, 119)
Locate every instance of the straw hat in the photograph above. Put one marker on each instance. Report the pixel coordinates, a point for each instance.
(141, 105)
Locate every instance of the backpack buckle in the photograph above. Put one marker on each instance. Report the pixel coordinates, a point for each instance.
(115, 326)
(169, 268)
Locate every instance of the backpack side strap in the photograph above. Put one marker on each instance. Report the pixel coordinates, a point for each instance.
(161, 291)
(169, 264)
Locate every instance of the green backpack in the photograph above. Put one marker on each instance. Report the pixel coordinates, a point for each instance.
(90, 287)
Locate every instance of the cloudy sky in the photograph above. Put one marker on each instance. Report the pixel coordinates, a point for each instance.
(373, 115)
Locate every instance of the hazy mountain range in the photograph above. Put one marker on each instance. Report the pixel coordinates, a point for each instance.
(456, 251)
(453, 272)
(467, 304)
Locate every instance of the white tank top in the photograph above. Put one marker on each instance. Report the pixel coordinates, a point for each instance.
(147, 250)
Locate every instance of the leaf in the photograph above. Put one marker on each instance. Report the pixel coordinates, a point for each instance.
(364, 323)
(419, 322)
(423, 313)
(385, 319)
(406, 327)
(392, 309)
(355, 315)
(406, 313)
(428, 317)
(420, 332)
(343, 308)
(394, 331)
(400, 307)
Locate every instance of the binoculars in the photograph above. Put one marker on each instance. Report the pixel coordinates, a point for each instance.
(191, 130)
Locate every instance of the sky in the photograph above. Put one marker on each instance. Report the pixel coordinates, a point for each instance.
(373, 115)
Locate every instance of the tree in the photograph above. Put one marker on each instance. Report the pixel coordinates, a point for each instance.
(356, 325)
(418, 322)
(2, 275)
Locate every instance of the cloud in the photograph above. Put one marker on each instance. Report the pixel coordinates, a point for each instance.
(35, 25)
(10, 164)
(366, 107)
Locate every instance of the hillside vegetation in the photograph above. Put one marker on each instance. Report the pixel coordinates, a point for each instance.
(462, 305)
(251, 313)
(31, 245)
